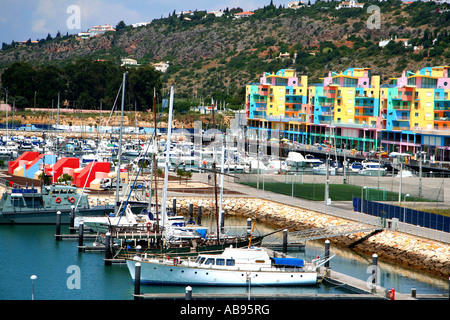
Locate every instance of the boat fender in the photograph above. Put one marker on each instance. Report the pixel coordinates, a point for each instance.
(71, 199)
(58, 200)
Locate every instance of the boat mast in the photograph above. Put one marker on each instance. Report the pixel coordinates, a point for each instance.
(166, 166)
(222, 171)
(155, 148)
(215, 195)
(119, 154)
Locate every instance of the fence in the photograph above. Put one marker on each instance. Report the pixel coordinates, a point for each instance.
(430, 189)
(403, 214)
(319, 206)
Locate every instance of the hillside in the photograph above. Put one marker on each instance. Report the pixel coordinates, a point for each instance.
(216, 57)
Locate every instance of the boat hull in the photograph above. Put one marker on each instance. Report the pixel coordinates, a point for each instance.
(155, 273)
(49, 216)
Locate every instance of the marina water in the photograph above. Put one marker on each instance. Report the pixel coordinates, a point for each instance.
(63, 273)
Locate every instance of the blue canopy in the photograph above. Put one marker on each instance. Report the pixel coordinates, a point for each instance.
(202, 232)
(293, 262)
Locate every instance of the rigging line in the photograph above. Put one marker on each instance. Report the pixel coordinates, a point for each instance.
(90, 169)
(139, 170)
(114, 105)
(85, 183)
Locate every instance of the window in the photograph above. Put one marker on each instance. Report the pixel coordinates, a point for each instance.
(230, 262)
(200, 259)
(209, 261)
(220, 262)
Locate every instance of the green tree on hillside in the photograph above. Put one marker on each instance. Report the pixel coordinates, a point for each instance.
(20, 80)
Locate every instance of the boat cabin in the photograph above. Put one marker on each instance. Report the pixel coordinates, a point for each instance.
(248, 259)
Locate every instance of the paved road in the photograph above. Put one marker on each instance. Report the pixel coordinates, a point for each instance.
(429, 185)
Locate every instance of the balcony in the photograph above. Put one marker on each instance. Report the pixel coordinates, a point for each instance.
(441, 108)
(396, 128)
(402, 107)
(259, 108)
(441, 97)
(363, 96)
(352, 125)
(295, 99)
(331, 95)
(260, 114)
(363, 114)
(403, 97)
(293, 108)
(260, 100)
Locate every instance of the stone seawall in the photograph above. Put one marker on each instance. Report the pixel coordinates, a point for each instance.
(418, 253)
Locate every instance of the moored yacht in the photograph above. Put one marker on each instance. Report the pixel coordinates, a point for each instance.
(233, 267)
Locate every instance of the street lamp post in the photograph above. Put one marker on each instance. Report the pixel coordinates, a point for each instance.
(33, 278)
(404, 206)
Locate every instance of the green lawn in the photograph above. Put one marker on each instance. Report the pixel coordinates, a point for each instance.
(337, 192)
(342, 192)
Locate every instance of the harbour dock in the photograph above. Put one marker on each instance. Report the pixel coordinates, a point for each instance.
(360, 290)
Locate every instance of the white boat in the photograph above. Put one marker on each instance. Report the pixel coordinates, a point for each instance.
(322, 170)
(233, 267)
(276, 166)
(371, 168)
(296, 161)
(132, 150)
(102, 224)
(90, 157)
(356, 166)
(313, 160)
(26, 144)
(405, 174)
(176, 227)
(232, 166)
(252, 165)
(7, 152)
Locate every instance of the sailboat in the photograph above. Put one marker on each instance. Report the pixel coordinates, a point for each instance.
(174, 228)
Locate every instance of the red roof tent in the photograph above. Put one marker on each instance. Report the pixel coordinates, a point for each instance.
(62, 163)
(83, 176)
(28, 156)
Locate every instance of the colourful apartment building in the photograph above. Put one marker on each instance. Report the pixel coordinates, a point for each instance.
(353, 110)
(345, 110)
(278, 102)
(415, 112)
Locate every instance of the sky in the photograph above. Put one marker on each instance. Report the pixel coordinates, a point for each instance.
(21, 20)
